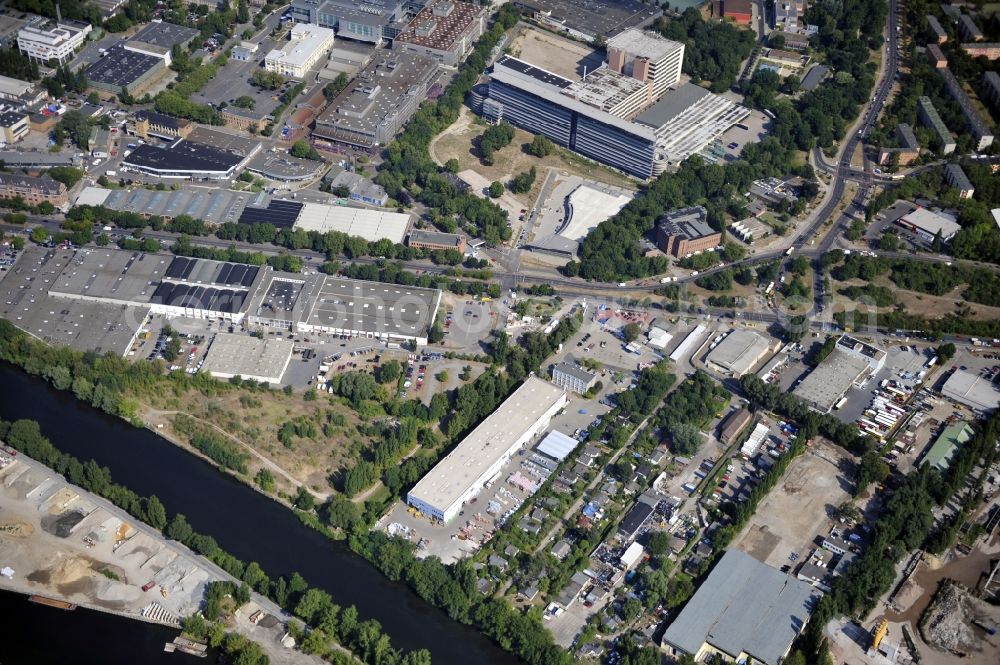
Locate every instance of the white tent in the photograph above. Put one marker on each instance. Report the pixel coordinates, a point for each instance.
(557, 445)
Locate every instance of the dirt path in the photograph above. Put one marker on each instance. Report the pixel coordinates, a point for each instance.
(158, 421)
(457, 127)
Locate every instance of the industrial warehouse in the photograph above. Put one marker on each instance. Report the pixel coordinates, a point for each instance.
(631, 113)
(218, 206)
(738, 353)
(745, 611)
(98, 299)
(851, 363)
(472, 464)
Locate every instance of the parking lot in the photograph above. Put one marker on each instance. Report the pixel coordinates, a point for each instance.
(467, 323)
(789, 518)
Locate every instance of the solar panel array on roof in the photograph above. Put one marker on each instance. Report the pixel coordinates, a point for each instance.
(198, 297)
(281, 214)
(211, 272)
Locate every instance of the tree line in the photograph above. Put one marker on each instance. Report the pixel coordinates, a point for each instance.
(365, 639)
(408, 171)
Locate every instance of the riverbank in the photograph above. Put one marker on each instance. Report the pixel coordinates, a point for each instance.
(67, 544)
(244, 523)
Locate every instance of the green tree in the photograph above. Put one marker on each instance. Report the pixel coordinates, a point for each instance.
(178, 529)
(658, 543)
(265, 480)
(541, 146)
(496, 189)
(390, 371)
(39, 235)
(303, 150)
(522, 182)
(154, 513)
(631, 332)
(245, 102)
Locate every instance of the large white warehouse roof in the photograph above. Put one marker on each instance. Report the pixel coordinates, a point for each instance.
(372, 225)
(449, 482)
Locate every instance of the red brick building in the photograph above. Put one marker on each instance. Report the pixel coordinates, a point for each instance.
(737, 11)
(685, 231)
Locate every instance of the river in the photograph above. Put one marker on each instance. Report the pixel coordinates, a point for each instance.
(244, 522)
(42, 635)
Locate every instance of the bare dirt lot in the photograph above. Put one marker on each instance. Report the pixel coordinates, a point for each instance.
(793, 513)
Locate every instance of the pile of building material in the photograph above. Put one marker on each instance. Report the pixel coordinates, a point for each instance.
(946, 623)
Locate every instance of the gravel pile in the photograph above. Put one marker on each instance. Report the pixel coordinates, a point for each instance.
(946, 623)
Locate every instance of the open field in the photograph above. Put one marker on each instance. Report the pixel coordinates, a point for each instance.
(795, 512)
(459, 142)
(924, 304)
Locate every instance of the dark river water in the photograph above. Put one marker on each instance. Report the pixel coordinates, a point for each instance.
(245, 523)
(42, 635)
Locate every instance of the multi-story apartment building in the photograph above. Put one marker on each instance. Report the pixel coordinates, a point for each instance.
(988, 50)
(33, 190)
(955, 176)
(980, 129)
(930, 118)
(56, 42)
(991, 86)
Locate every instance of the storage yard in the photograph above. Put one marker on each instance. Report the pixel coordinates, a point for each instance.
(70, 546)
(795, 511)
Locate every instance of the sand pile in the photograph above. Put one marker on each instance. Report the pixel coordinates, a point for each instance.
(71, 569)
(16, 528)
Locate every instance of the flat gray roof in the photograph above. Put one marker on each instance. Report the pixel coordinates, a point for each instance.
(827, 383)
(234, 143)
(435, 237)
(247, 356)
(813, 77)
(449, 480)
(739, 351)
(79, 324)
(215, 206)
(373, 307)
(112, 274)
(672, 104)
(160, 33)
(972, 390)
(574, 370)
(744, 606)
(281, 166)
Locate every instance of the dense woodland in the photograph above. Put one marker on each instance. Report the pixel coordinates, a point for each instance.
(714, 49)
